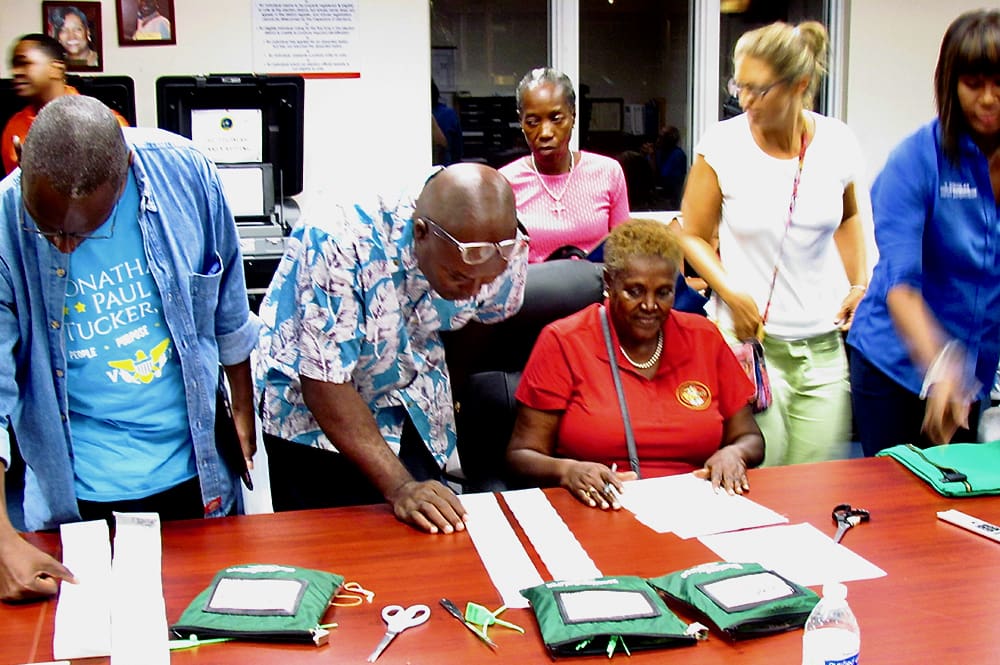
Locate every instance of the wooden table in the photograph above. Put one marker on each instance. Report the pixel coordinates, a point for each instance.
(935, 605)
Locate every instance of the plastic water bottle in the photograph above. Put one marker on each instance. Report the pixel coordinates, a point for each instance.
(832, 636)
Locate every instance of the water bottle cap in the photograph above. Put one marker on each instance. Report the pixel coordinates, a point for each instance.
(835, 591)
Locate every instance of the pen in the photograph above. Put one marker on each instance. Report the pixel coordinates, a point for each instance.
(455, 612)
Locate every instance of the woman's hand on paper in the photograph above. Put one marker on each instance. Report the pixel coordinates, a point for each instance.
(727, 470)
(594, 484)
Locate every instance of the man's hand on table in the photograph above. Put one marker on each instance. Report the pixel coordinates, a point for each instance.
(428, 505)
(26, 572)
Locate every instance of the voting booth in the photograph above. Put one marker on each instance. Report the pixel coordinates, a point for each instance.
(251, 127)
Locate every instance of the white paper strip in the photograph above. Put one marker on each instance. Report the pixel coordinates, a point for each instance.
(689, 507)
(559, 549)
(138, 616)
(800, 552)
(83, 612)
(501, 552)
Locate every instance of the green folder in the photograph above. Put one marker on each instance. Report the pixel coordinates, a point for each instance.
(261, 602)
(954, 469)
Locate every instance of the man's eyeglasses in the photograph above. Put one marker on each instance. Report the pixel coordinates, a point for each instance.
(756, 91)
(68, 235)
(476, 253)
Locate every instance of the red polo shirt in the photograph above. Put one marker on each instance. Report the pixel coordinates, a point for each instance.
(677, 416)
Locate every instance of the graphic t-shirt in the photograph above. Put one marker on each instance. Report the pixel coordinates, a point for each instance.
(121, 362)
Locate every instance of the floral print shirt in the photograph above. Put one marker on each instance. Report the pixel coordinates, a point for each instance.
(349, 303)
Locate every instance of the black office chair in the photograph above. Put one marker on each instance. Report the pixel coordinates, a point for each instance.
(485, 363)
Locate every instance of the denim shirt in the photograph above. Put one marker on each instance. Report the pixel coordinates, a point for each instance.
(937, 225)
(193, 251)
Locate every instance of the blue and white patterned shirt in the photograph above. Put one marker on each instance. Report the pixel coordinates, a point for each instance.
(349, 303)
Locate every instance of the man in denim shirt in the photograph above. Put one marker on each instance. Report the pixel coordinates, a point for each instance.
(121, 291)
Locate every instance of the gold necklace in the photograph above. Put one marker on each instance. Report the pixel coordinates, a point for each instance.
(558, 207)
(653, 359)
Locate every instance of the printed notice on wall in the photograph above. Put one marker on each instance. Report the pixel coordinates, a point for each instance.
(309, 37)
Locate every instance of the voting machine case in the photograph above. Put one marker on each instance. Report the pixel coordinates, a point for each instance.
(279, 98)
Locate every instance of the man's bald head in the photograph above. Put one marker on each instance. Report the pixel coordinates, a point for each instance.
(76, 145)
(471, 201)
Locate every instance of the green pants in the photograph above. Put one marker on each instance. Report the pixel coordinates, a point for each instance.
(810, 417)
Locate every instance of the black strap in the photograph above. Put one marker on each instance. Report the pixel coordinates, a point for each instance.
(949, 475)
(633, 456)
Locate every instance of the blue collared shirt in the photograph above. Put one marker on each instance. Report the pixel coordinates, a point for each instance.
(349, 303)
(937, 228)
(192, 247)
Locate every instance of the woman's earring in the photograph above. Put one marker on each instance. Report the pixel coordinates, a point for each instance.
(605, 293)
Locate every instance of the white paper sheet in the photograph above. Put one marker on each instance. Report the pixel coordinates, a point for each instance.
(501, 552)
(689, 507)
(138, 612)
(558, 548)
(83, 612)
(800, 552)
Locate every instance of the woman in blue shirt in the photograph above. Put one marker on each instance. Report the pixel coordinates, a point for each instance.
(926, 338)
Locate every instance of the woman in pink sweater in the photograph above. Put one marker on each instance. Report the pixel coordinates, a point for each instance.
(563, 197)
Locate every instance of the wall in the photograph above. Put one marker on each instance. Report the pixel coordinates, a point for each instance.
(367, 134)
(373, 133)
(892, 51)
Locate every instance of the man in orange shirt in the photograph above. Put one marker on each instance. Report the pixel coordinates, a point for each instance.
(38, 64)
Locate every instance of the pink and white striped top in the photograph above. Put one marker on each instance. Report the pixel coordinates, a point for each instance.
(591, 200)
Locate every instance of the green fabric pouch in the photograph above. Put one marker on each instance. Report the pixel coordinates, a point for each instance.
(741, 600)
(955, 469)
(604, 615)
(261, 602)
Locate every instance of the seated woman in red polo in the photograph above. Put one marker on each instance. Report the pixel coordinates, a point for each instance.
(687, 395)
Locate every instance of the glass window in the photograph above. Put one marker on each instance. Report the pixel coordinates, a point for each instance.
(635, 82)
(739, 16)
(638, 93)
(480, 50)
(494, 43)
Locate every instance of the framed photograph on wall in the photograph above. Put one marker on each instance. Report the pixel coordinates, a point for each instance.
(77, 26)
(146, 22)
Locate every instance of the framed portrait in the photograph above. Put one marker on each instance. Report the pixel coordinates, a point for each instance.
(146, 22)
(77, 26)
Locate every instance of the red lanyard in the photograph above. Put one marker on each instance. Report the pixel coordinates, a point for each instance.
(788, 225)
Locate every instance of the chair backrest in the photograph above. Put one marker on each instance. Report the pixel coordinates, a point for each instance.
(485, 363)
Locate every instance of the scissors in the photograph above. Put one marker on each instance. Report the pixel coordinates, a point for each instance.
(399, 619)
(847, 517)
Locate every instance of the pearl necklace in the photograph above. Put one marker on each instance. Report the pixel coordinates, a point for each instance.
(559, 207)
(653, 359)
